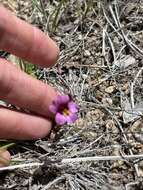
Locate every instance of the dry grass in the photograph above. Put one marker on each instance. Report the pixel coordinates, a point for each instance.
(101, 66)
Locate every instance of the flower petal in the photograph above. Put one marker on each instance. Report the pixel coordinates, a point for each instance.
(60, 119)
(71, 118)
(63, 99)
(53, 109)
(73, 107)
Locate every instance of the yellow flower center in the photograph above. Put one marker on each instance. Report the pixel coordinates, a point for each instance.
(65, 112)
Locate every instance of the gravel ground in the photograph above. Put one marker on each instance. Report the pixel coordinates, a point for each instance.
(101, 66)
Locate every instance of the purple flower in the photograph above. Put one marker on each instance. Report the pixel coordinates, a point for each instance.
(64, 110)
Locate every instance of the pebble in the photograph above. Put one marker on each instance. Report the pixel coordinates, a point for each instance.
(109, 89)
(87, 53)
(107, 101)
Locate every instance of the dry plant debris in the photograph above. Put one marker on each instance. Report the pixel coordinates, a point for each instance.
(101, 65)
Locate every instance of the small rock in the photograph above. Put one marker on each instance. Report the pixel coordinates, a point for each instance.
(84, 76)
(87, 53)
(125, 62)
(110, 125)
(80, 37)
(95, 115)
(107, 101)
(109, 89)
(141, 164)
(125, 86)
(116, 40)
(137, 126)
(141, 168)
(137, 131)
(80, 122)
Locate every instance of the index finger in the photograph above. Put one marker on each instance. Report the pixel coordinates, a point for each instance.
(26, 41)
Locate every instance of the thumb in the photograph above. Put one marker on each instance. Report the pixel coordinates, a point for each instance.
(4, 158)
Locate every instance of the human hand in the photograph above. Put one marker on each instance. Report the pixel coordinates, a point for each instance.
(18, 88)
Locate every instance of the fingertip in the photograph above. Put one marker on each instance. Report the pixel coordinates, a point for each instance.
(45, 51)
(26, 41)
(53, 57)
(4, 158)
(42, 132)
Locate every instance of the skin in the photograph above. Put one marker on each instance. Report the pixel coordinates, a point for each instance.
(18, 88)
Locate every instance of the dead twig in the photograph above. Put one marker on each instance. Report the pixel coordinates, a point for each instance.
(76, 160)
